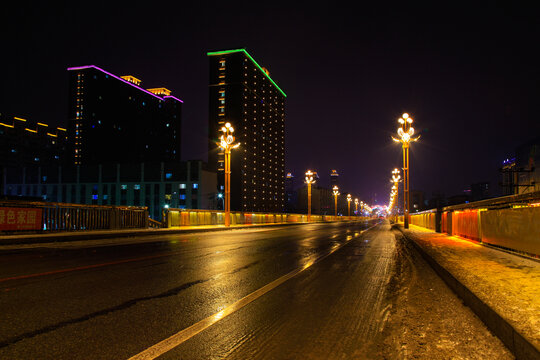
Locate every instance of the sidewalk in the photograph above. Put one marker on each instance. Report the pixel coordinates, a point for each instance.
(501, 288)
(11, 241)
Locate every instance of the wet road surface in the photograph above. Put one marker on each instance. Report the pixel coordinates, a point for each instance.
(320, 291)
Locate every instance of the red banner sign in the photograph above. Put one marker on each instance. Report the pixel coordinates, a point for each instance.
(20, 219)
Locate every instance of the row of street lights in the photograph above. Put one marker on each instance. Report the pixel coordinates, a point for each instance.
(396, 178)
(310, 179)
(405, 132)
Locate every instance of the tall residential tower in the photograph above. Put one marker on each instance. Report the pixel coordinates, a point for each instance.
(114, 119)
(243, 94)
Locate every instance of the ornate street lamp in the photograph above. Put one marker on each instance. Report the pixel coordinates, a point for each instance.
(310, 179)
(349, 198)
(227, 144)
(405, 132)
(356, 204)
(335, 192)
(396, 178)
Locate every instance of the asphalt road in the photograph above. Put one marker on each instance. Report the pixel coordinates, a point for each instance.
(319, 291)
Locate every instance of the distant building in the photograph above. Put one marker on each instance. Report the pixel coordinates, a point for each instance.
(520, 175)
(113, 119)
(458, 199)
(334, 178)
(480, 191)
(155, 185)
(27, 143)
(322, 200)
(437, 200)
(242, 93)
(510, 176)
(291, 195)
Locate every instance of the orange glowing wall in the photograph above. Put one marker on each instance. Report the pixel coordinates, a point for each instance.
(465, 224)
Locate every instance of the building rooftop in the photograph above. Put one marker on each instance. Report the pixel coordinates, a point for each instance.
(263, 70)
(129, 82)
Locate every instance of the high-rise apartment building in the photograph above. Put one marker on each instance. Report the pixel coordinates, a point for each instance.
(113, 119)
(334, 178)
(243, 93)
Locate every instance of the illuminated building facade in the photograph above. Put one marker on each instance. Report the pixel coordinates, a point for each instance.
(521, 174)
(27, 143)
(242, 93)
(113, 119)
(334, 178)
(24, 142)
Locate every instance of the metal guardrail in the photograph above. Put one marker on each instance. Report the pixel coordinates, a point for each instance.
(17, 216)
(509, 222)
(497, 203)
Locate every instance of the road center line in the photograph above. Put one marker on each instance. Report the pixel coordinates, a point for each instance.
(186, 334)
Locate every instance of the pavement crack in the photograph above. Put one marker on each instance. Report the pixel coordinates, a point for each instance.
(122, 306)
(125, 305)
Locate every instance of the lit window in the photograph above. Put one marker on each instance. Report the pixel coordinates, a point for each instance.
(182, 186)
(168, 175)
(195, 186)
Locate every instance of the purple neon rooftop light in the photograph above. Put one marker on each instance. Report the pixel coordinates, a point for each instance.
(127, 82)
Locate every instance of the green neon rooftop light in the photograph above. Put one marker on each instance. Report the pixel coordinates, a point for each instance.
(249, 56)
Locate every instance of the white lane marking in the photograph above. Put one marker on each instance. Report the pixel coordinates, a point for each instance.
(183, 335)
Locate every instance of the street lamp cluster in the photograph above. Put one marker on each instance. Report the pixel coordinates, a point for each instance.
(405, 132)
(226, 143)
(396, 178)
(309, 180)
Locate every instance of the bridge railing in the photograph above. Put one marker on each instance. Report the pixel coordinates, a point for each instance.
(196, 217)
(511, 222)
(17, 216)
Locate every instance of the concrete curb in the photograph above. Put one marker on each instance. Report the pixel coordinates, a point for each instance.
(512, 339)
(82, 235)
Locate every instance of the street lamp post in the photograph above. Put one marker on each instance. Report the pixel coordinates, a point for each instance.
(335, 192)
(396, 178)
(227, 144)
(349, 198)
(309, 180)
(405, 132)
(356, 204)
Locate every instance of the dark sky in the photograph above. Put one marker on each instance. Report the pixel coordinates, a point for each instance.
(468, 76)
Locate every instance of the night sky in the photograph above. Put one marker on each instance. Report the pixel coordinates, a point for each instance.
(469, 76)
